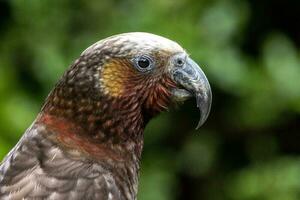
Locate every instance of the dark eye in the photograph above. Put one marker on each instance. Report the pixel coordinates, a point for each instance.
(143, 63)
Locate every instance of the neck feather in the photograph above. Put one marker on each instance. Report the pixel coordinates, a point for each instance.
(101, 126)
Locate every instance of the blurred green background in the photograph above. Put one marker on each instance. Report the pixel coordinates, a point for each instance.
(249, 149)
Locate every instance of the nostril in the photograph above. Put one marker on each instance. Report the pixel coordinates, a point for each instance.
(179, 59)
(179, 62)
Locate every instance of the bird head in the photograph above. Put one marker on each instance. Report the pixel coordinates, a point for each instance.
(119, 83)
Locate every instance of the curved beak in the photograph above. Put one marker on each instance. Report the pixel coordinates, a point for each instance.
(192, 81)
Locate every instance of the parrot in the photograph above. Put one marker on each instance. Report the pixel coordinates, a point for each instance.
(87, 140)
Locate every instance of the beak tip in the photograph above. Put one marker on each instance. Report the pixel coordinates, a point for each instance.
(204, 105)
(198, 126)
(201, 121)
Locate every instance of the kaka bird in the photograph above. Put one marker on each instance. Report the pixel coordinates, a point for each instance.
(87, 140)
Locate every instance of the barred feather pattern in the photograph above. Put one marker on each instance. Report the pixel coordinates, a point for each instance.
(39, 168)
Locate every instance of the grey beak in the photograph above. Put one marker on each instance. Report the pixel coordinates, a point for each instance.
(194, 83)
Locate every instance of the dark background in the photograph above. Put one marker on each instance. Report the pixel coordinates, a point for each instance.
(248, 149)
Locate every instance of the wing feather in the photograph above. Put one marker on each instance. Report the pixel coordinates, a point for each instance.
(37, 168)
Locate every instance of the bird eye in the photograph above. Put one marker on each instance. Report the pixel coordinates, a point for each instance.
(143, 63)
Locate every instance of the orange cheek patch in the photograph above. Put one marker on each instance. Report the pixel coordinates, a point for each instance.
(113, 77)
